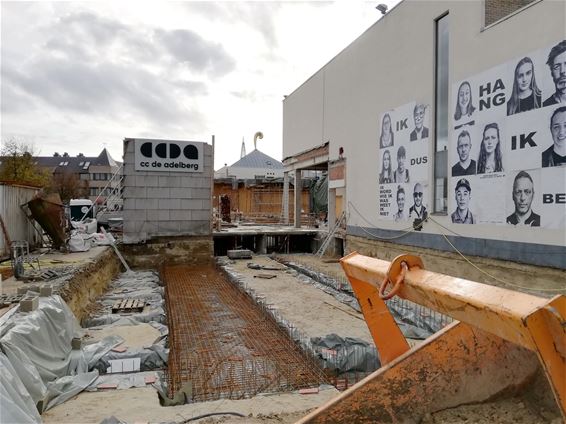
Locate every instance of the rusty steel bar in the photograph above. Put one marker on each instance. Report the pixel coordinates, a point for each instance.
(223, 344)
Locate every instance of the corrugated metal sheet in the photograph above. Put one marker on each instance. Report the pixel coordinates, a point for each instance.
(17, 225)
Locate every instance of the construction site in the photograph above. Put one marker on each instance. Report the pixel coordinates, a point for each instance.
(332, 286)
(258, 322)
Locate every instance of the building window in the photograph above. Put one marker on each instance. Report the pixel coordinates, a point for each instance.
(496, 10)
(101, 176)
(441, 115)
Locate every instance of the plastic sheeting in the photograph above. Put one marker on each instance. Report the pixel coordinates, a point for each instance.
(37, 345)
(38, 367)
(95, 351)
(16, 404)
(346, 354)
(151, 358)
(125, 381)
(142, 285)
(64, 388)
(319, 194)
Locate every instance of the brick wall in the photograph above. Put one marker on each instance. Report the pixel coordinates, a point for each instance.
(497, 9)
(161, 204)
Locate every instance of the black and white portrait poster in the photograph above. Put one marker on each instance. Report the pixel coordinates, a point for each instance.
(523, 198)
(506, 120)
(403, 146)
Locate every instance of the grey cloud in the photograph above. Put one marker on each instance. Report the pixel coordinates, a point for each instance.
(201, 55)
(14, 101)
(103, 90)
(195, 88)
(100, 30)
(246, 95)
(140, 47)
(99, 67)
(85, 36)
(258, 15)
(67, 47)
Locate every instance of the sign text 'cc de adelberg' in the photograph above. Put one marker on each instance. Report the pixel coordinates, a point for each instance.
(168, 156)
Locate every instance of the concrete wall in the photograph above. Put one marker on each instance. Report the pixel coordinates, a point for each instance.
(303, 117)
(393, 64)
(195, 250)
(166, 203)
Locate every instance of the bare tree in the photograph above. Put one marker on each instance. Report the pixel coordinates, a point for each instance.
(69, 186)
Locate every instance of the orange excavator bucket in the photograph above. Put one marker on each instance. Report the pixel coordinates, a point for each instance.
(498, 344)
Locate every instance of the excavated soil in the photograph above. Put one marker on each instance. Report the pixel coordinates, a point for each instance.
(89, 283)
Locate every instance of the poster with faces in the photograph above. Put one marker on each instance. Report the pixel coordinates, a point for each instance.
(506, 120)
(403, 150)
(524, 204)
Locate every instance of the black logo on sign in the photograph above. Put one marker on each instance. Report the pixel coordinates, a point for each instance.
(147, 149)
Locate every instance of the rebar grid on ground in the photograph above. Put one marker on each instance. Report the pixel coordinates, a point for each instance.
(421, 316)
(223, 344)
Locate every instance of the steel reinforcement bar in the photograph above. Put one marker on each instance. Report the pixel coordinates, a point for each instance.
(223, 345)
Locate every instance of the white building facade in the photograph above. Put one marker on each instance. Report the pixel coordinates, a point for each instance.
(432, 109)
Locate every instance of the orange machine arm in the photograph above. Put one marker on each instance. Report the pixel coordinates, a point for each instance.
(535, 323)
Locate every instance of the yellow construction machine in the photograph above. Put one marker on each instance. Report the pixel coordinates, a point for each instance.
(500, 340)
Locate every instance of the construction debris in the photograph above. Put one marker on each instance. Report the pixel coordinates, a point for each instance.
(6, 299)
(128, 306)
(239, 254)
(29, 303)
(251, 265)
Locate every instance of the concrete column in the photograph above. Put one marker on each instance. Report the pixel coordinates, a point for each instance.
(261, 244)
(298, 202)
(331, 208)
(286, 198)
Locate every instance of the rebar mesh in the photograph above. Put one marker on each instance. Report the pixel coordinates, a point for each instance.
(223, 344)
(404, 310)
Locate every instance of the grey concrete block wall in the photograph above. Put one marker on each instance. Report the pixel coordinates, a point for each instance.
(166, 203)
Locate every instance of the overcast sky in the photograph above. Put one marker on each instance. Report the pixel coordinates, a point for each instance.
(78, 77)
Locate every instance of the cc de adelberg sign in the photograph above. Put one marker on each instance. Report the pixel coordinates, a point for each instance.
(176, 156)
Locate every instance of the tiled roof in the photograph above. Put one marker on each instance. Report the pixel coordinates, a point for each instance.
(76, 164)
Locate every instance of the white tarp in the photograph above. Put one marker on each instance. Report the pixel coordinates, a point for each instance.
(16, 404)
(37, 345)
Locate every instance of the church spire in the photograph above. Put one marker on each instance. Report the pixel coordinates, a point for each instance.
(243, 151)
